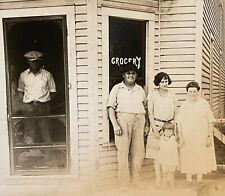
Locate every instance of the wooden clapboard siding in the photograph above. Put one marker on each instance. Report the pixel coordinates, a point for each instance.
(142, 5)
(177, 43)
(107, 151)
(81, 37)
(212, 64)
(18, 4)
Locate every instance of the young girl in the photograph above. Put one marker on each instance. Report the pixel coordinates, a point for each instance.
(168, 153)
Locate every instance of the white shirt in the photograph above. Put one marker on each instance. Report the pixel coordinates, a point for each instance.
(163, 107)
(123, 99)
(36, 87)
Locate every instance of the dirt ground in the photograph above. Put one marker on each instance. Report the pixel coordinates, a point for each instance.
(212, 186)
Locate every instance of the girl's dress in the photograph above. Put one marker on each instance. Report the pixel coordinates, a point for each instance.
(168, 153)
(163, 110)
(195, 156)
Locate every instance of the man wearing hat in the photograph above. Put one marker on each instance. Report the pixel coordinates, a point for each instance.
(37, 87)
(126, 109)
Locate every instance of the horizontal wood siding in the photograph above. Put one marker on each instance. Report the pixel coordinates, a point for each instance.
(107, 151)
(81, 35)
(212, 64)
(177, 43)
(18, 4)
(141, 5)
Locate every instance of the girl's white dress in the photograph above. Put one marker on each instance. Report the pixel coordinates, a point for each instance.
(168, 153)
(195, 156)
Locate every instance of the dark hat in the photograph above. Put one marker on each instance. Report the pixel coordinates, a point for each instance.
(33, 55)
(128, 67)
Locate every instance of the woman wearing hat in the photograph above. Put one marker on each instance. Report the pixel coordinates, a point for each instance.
(127, 113)
(161, 109)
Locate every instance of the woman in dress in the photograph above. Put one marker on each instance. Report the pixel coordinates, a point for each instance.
(161, 109)
(195, 126)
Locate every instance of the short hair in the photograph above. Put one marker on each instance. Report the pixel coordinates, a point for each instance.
(160, 76)
(168, 125)
(193, 84)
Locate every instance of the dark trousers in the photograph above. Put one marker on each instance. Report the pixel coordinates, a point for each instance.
(35, 127)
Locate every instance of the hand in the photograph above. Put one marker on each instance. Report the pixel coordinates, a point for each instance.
(146, 130)
(181, 142)
(156, 147)
(209, 141)
(117, 130)
(156, 134)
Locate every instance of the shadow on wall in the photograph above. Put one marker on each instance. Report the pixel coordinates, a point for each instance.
(166, 5)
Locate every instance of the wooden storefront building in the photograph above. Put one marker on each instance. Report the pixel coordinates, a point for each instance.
(84, 42)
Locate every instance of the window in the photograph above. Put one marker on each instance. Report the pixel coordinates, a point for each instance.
(38, 141)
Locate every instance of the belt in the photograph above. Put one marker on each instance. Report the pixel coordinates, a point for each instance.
(159, 120)
(37, 102)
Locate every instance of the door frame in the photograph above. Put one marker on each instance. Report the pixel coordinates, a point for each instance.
(69, 12)
(150, 38)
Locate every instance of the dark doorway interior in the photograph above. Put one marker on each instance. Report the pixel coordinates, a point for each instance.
(127, 42)
(47, 35)
(42, 35)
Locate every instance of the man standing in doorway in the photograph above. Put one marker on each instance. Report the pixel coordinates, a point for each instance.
(127, 113)
(37, 87)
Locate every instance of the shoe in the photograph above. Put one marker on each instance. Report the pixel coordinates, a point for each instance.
(188, 184)
(200, 182)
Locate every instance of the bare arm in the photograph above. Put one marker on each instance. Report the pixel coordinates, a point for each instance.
(52, 95)
(151, 119)
(21, 94)
(210, 134)
(180, 134)
(112, 116)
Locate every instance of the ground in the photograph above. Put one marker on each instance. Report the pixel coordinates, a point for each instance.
(213, 186)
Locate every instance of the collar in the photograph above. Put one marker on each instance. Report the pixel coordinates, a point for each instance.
(122, 85)
(29, 71)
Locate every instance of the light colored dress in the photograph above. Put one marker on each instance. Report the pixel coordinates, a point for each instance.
(195, 157)
(168, 153)
(163, 109)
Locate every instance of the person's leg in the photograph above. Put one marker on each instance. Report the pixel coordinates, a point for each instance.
(30, 125)
(189, 177)
(44, 127)
(137, 149)
(199, 177)
(165, 178)
(157, 169)
(122, 145)
(171, 178)
(44, 123)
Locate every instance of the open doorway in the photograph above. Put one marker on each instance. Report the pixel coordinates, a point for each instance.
(47, 35)
(127, 43)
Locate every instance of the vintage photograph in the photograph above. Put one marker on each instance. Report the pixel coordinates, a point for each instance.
(112, 97)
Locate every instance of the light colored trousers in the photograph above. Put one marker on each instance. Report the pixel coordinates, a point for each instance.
(131, 141)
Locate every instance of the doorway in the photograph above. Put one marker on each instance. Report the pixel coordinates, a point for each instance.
(127, 44)
(28, 154)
